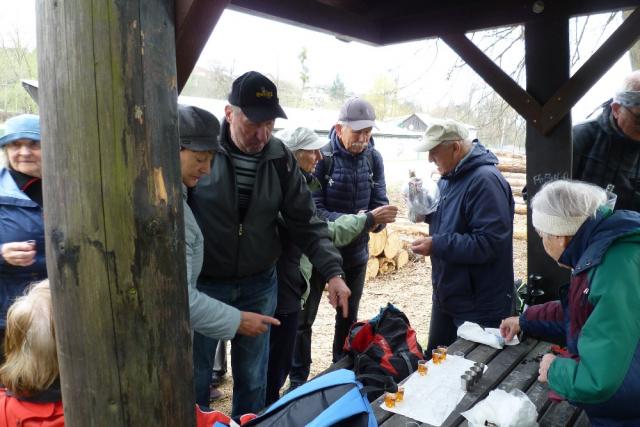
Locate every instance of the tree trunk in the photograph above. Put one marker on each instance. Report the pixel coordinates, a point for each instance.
(113, 206)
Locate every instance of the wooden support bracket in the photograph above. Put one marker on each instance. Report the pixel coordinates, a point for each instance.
(590, 72)
(500, 81)
(545, 117)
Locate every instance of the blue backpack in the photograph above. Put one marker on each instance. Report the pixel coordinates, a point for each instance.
(333, 399)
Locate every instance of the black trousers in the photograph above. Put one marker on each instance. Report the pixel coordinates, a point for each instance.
(354, 277)
(281, 344)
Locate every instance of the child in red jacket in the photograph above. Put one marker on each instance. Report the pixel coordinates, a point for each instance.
(30, 392)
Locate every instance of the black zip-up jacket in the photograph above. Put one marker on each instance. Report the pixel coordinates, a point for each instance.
(237, 247)
(603, 155)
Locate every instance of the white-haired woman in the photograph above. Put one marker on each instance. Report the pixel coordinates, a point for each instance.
(596, 317)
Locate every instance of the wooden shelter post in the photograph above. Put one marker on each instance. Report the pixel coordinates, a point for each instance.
(548, 156)
(113, 211)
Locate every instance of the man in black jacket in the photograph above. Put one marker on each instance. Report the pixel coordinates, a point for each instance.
(606, 150)
(253, 178)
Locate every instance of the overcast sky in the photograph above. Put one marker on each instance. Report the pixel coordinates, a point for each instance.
(242, 42)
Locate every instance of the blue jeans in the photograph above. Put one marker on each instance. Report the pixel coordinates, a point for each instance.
(249, 356)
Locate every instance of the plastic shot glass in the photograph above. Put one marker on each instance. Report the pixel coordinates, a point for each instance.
(422, 367)
(443, 352)
(390, 399)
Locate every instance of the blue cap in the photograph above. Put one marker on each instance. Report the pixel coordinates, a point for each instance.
(24, 126)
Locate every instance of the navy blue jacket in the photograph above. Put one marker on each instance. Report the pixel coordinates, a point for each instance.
(349, 191)
(20, 220)
(472, 230)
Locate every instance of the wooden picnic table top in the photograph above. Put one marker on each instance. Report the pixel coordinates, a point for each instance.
(512, 367)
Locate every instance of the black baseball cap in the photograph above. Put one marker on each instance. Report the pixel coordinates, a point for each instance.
(199, 129)
(256, 96)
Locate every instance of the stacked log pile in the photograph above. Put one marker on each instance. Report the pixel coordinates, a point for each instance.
(386, 252)
(514, 168)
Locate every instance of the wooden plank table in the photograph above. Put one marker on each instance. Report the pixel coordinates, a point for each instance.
(510, 368)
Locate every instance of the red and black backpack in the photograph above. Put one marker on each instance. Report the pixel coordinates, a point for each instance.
(384, 345)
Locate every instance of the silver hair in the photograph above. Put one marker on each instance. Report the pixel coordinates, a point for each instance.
(4, 158)
(631, 82)
(569, 199)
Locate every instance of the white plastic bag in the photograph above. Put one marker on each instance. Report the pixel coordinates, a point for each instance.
(422, 197)
(503, 409)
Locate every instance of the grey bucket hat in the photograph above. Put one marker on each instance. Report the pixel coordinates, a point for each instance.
(199, 129)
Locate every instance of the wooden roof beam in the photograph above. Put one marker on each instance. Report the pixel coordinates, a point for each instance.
(458, 17)
(591, 71)
(195, 20)
(316, 16)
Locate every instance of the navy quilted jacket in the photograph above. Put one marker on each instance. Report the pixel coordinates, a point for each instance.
(349, 190)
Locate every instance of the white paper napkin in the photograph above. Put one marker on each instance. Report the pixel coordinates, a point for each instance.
(489, 336)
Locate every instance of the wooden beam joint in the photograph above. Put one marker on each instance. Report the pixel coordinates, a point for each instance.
(546, 117)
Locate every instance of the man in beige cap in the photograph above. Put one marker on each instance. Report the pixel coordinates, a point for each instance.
(471, 232)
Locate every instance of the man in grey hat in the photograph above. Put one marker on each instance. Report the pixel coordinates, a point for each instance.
(352, 180)
(253, 180)
(471, 235)
(199, 131)
(606, 150)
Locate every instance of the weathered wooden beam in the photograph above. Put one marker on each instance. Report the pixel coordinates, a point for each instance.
(195, 20)
(500, 81)
(405, 20)
(591, 71)
(356, 6)
(113, 211)
(548, 156)
(315, 16)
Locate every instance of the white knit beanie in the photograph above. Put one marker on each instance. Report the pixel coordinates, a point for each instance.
(556, 225)
(561, 207)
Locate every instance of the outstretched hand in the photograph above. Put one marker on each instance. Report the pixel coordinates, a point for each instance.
(254, 324)
(339, 294)
(384, 214)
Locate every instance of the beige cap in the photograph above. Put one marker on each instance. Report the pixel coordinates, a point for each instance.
(440, 131)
